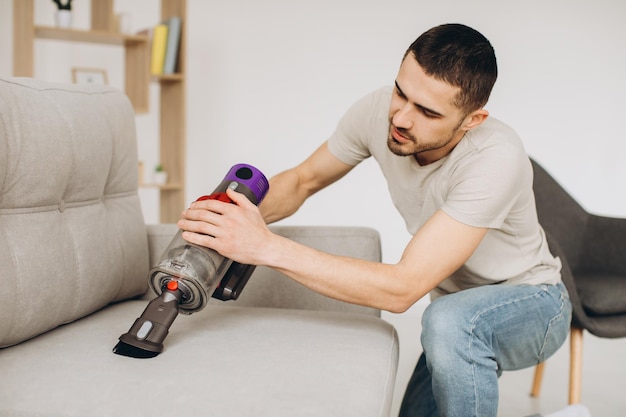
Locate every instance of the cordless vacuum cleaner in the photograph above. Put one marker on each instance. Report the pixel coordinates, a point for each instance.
(187, 274)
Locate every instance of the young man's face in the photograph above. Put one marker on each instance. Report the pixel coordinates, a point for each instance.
(423, 120)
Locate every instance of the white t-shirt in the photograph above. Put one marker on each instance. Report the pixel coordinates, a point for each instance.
(486, 181)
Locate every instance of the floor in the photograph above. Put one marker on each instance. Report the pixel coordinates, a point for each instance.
(604, 374)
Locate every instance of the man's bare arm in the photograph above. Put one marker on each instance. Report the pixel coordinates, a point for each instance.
(289, 189)
(239, 232)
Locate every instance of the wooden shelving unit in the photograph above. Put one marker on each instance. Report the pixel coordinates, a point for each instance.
(137, 81)
(173, 129)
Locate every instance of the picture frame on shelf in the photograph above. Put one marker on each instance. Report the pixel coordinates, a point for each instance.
(89, 76)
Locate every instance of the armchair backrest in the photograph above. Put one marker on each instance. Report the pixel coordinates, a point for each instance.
(560, 215)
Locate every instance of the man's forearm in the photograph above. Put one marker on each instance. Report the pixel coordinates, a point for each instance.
(438, 249)
(372, 284)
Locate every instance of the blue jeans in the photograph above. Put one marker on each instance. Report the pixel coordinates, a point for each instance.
(470, 337)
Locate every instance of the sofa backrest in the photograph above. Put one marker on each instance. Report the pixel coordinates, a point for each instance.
(269, 288)
(72, 235)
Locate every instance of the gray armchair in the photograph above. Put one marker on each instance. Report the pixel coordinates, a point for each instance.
(592, 249)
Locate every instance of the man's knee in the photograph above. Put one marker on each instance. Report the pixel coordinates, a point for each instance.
(444, 327)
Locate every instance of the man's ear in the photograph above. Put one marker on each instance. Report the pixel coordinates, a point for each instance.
(475, 119)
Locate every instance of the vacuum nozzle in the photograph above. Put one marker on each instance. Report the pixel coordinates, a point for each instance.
(146, 335)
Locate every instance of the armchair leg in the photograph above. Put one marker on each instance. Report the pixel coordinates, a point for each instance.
(536, 388)
(576, 365)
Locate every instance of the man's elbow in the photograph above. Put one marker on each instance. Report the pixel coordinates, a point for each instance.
(400, 303)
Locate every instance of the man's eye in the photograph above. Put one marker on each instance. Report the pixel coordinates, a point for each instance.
(399, 93)
(429, 114)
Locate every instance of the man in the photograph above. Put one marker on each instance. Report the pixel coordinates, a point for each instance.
(463, 184)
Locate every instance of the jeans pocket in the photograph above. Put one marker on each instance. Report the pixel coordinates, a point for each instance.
(559, 324)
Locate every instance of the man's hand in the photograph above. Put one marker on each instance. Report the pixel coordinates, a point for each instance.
(237, 231)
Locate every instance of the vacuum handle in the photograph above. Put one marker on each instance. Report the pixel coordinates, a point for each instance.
(234, 280)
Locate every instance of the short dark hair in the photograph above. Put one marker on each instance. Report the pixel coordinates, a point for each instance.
(460, 56)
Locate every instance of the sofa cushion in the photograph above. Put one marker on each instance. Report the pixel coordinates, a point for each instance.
(72, 236)
(223, 361)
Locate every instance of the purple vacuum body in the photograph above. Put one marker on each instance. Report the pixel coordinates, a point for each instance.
(250, 177)
(187, 275)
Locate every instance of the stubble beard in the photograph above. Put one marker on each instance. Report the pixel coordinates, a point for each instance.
(414, 148)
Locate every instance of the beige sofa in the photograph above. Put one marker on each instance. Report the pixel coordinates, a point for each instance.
(75, 254)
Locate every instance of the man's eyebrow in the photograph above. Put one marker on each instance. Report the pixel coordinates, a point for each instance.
(419, 106)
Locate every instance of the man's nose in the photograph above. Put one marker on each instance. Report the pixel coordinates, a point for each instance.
(403, 118)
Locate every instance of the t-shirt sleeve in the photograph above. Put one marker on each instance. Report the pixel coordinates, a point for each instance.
(485, 188)
(350, 142)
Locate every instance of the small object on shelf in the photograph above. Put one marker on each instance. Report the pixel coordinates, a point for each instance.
(160, 176)
(172, 47)
(63, 16)
(89, 76)
(159, 44)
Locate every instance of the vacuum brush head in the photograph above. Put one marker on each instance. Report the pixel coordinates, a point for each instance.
(146, 335)
(131, 351)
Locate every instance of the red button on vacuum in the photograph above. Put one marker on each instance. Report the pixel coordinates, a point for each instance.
(172, 285)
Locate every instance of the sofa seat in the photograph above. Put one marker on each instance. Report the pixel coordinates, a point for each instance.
(222, 361)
